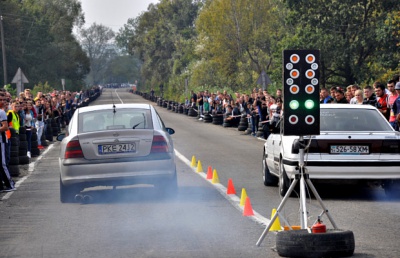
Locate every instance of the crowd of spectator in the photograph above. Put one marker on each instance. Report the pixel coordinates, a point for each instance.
(385, 98)
(28, 111)
(261, 106)
(258, 106)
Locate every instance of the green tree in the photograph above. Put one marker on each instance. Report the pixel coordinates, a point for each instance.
(351, 35)
(162, 38)
(98, 42)
(239, 36)
(39, 40)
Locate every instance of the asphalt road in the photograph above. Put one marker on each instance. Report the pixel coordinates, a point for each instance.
(200, 222)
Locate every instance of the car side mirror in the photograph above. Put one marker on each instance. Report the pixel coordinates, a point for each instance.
(60, 137)
(170, 130)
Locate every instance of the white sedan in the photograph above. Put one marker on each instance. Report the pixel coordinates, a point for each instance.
(113, 145)
(356, 143)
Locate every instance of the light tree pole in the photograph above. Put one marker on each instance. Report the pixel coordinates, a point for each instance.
(3, 48)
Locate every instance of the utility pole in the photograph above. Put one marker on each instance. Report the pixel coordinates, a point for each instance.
(3, 48)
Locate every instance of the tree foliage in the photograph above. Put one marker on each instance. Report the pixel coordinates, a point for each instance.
(38, 38)
(353, 36)
(97, 42)
(218, 43)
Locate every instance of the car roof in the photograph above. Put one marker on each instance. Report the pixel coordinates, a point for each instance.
(346, 106)
(110, 106)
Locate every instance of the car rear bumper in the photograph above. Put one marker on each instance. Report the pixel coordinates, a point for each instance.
(117, 173)
(371, 169)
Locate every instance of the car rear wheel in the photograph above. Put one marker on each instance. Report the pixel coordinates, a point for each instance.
(168, 187)
(284, 182)
(268, 178)
(67, 193)
(392, 188)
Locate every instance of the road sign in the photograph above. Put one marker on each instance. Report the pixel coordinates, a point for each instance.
(264, 80)
(20, 79)
(301, 92)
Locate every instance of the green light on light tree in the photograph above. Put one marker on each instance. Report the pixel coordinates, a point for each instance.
(294, 104)
(309, 104)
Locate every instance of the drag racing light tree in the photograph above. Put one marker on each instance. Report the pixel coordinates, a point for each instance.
(301, 92)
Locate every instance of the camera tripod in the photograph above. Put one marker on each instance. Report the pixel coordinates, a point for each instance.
(304, 179)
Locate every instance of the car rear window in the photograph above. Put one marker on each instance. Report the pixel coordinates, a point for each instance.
(108, 120)
(354, 120)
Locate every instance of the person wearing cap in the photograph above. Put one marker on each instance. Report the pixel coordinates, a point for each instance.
(392, 97)
(396, 104)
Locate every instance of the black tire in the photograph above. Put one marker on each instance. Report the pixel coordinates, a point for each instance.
(22, 130)
(300, 243)
(14, 161)
(14, 141)
(23, 145)
(23, 160)
(268, 178)
(35, 152)
(14, 147)
(14, 170)
(22, 152)
(34, 144)
(67, 193)
(284, 181)
(14, 153)
(22, 137)
(168, 187)
(392, 189)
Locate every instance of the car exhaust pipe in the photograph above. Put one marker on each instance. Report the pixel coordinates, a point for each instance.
(87, 199)
(79, 197)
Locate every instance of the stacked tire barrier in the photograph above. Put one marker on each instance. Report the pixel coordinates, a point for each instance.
(23, 147)
(243, 124)
(43, 140)
(207, 118)
(218, 118)
(34, 144)
(14, 154)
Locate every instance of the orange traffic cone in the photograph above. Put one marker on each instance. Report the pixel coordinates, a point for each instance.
(248, 210)
(231, 187)
(209, 173)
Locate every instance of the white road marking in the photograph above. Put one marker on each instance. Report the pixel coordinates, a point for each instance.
(233, 199)
(118, 96)
(31, 168)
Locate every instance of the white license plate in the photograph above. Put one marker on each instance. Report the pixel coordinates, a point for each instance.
(116, 148)
(349, 149)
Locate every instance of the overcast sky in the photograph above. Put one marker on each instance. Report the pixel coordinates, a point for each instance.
(113, 13)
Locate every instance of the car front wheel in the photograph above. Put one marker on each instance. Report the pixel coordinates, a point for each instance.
(284, 182)
(268, 178)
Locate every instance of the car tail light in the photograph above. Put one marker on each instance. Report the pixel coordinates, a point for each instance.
(73, 150)
(159, 144)
(391, 146)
